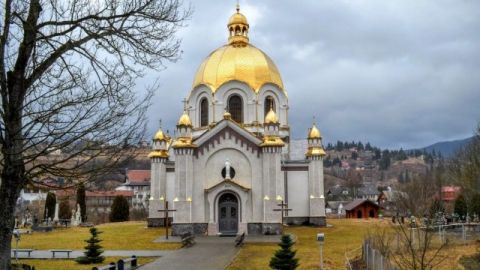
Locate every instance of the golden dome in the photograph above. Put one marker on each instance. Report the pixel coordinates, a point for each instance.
(271, 117)
(237, 18)
(160, 136)
(238, 60)
(315, 151)
(246, 64)
(314, 133)
(227, 115)
(184, 120)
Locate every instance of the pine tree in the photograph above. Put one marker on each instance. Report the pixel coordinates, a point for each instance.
(460, 207)
(120, 209)
(93, 252)
(81, 201)
(50, 203)
(284, 258)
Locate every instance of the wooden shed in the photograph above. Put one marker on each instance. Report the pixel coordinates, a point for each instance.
(362, 208)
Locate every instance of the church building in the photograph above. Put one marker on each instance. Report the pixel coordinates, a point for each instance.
(227, 169)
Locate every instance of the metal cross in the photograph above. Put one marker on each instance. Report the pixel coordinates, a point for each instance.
(184, 101)
(283, 208)
(166, 211)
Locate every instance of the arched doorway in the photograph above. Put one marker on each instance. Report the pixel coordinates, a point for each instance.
(228, 214)
(359, 213)
(371, 213)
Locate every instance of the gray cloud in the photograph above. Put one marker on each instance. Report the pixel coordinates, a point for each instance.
(395, 73)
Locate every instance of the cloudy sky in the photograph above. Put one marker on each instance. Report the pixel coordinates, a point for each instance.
(395, 73)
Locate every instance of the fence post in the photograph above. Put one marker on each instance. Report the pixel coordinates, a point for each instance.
(112, 266)
(373, 259)
(367, 253)
(381, 262)
(121, 264)
(134, 261)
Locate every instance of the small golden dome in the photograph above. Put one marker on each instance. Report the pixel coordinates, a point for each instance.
(227, 115)
(271, 117)
(160, 136)
(184, 120)
(237, 18)
(314, 133)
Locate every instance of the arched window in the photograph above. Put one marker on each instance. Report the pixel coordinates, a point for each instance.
(204, 112)
(235, 108)
(269, 103)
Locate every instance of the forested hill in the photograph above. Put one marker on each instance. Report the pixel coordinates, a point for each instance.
(447, 148)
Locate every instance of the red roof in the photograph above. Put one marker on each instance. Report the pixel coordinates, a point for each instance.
(123, 193)
(138, 176)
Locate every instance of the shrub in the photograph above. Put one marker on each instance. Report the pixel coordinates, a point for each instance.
(120, 209)
(81, 201)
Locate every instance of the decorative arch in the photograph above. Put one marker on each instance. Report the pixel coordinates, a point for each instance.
(235, 108)
(203, 112)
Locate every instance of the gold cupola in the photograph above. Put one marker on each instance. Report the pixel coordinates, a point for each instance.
(184, 120)
(315, 149)
(184, 137)
(271, 136)
(238, 61)
(314, 133)
(238, 29)
(271, 117)
(160, 145)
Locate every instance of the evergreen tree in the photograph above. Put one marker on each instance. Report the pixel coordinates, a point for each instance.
(93, 253)
(50, 202)
(284, 258)
(368, 146)
(64, 211)
(360, 146)
(436, 207)
(460, 207)
(401, 155)
(81, 201)
(475, 205)
(120, 209)
(354, 155)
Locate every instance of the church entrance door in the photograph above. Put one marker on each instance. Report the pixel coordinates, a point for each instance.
(228, 214)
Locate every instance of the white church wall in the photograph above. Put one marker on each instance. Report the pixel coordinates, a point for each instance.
(170, 187)
(298, 197)
(281, 103)
(244, 91)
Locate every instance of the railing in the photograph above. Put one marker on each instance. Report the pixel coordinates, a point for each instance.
(120, 265)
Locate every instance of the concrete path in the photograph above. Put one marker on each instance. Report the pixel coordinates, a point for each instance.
(209, 252)
(47, 254)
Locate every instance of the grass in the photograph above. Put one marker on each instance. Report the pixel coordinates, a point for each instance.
(115, 236)
(345, 235)
(72, 265)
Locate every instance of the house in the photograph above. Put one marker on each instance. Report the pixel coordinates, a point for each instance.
(389, 201)
(450, 193)
(336, 208)
(368, 192)
(362, 208)
(137, 181)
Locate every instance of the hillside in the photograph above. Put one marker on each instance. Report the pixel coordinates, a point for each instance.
(447, 148)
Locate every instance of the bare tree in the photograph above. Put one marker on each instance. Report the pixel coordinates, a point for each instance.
(67, 72)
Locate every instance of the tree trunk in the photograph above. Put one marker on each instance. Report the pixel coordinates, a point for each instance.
(13, 171)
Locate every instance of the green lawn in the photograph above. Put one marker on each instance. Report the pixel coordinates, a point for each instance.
(115, 236)
(72, 265)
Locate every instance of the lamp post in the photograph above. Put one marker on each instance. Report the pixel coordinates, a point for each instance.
(16, 234)
(321, 239)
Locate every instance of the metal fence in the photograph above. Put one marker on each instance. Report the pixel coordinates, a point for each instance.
(374, 259)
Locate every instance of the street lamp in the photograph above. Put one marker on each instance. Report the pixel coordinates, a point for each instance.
(321, 239)
(16, 234)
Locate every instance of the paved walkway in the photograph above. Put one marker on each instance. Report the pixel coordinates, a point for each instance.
(47, 254)
(209, 252)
